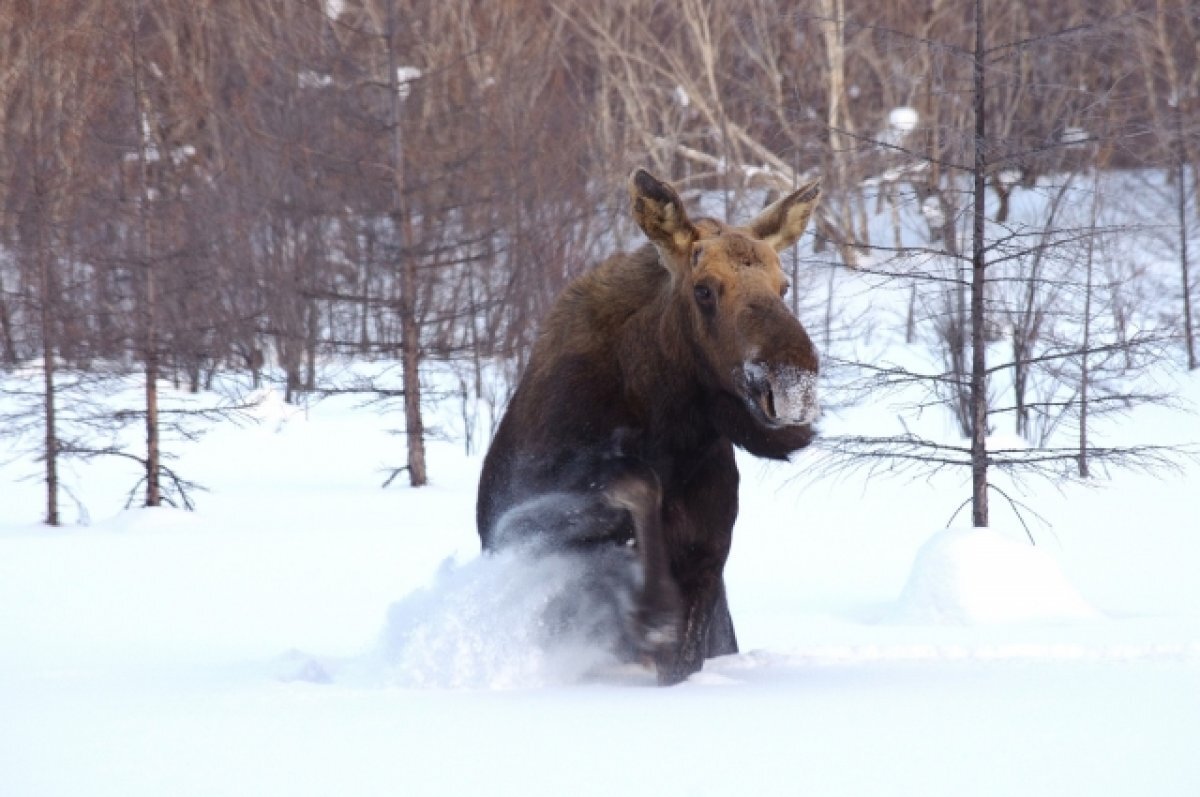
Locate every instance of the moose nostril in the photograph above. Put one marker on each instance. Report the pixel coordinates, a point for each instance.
(790, 396)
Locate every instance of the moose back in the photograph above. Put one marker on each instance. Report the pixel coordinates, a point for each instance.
(617, 445)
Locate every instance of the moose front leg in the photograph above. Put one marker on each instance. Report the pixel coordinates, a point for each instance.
(702, 596)
(699, 520)
(722, 640)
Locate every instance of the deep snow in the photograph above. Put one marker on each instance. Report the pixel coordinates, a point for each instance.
(307, 632)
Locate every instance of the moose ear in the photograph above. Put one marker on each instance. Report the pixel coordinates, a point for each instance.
(782, 224)
(659, 212)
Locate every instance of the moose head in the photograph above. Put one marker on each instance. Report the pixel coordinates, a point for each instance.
(754, 357)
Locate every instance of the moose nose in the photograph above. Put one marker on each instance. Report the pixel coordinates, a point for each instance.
(792, 396)
(795, 396)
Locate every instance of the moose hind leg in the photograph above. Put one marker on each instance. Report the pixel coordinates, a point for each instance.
(658, 614)
(592, 540)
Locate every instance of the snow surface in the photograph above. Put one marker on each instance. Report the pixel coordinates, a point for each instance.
(306, 632)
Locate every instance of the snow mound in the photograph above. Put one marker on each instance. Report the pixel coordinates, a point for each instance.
(504, 621)
(268, 407)
(980, 576)
(152, 520)
(903, 119)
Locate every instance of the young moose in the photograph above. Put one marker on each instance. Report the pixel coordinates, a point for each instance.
(617, 446)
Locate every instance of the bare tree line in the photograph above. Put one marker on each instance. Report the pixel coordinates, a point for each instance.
(192, 188)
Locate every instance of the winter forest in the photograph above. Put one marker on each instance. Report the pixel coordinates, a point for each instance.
(197, 189)
(282, 262)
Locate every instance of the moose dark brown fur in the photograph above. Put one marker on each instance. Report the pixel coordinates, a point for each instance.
(618, 442)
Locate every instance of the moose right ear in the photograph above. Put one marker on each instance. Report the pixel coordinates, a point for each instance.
(659, 212)
(782, 224)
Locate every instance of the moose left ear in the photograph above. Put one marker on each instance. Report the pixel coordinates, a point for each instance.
(658, 210)
(782, 224)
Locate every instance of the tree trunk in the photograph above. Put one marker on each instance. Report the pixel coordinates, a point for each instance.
(1085, 376)
(410, 342)
(6, 331)
(1003, 193)
(910, 320)
(143, 255)
(410, 337)
(48, 367)
(1020, 377)
(979, 408)
(49, 409)
(312, 329)
(1181, 206)
(834, 36)
(367, 259)
(42, 262)
(153, 493)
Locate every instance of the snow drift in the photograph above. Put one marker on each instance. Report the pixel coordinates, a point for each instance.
(505, 620)
(981, 576)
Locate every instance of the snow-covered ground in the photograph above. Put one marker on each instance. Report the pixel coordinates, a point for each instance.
(306, 632)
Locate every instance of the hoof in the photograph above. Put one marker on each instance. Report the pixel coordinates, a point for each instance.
(660, 619)
(669, 676)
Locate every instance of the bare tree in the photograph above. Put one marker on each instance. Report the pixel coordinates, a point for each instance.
(43, 111)
(1040, 284)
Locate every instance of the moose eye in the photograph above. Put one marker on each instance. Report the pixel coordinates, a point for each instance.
(704, 295)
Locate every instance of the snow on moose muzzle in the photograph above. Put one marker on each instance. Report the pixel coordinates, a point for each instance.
(783, 395)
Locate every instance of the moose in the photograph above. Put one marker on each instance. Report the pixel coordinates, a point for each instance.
(617, 445)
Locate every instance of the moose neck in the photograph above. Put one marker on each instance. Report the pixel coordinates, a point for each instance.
(666, 377)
